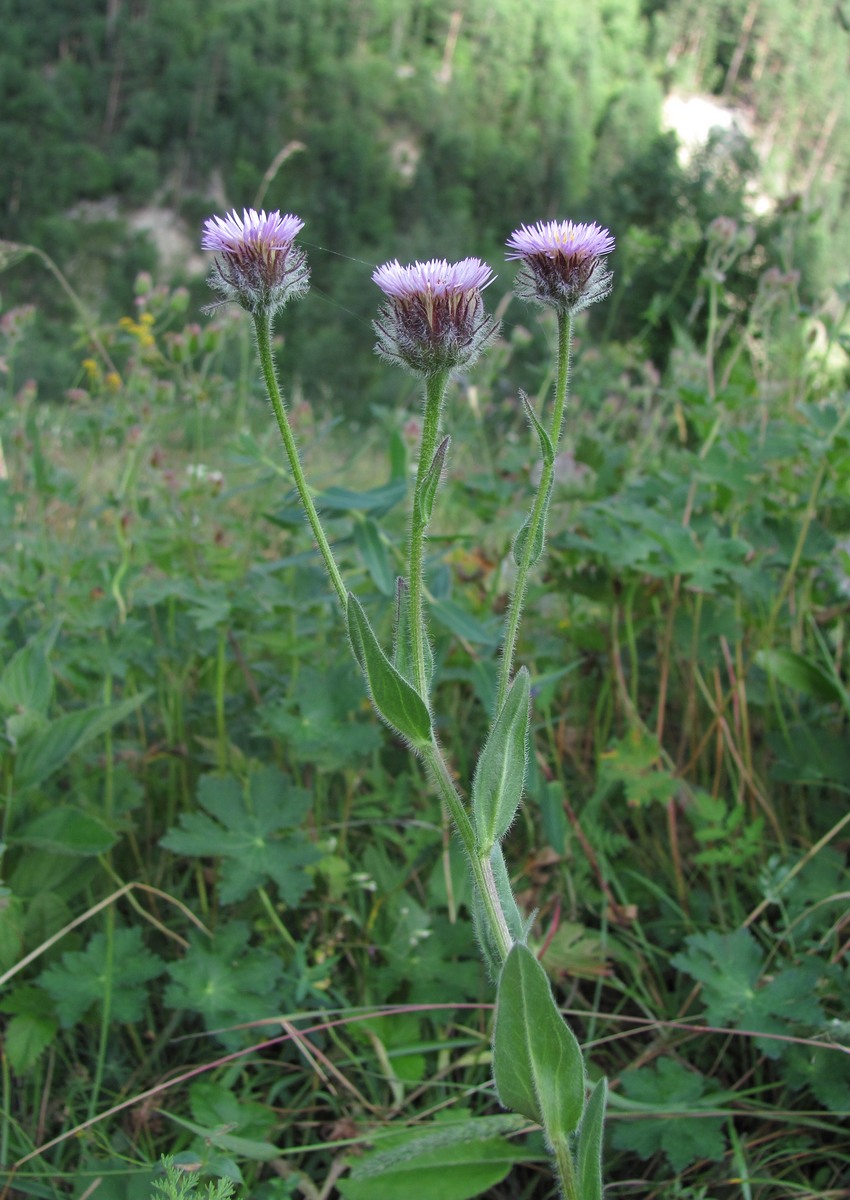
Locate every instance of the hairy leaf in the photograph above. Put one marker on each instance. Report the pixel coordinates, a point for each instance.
(500, 773)
(396, 700)
(537, 1061)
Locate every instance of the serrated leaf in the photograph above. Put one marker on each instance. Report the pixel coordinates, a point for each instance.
(729, 967)
(520, 546)
(82, 978)
(546, 448)
(537, 1062)
(32, 1028)
(589, 1150)
(27, 1037)
(396, 700)
(226, 981)
(672, 1096)
(427, 491)
(251, 829)
(373, 551)
(500, 772)
(49, 749)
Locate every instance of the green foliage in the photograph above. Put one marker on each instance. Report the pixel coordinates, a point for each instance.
(225, 981)
(501, 769)
(453, 1160)
(117, 967)
(396, 700)
(537, 1062)
(678, 863)
(179, 1184)
(674, 1096)
(252, 826)
(729, 967)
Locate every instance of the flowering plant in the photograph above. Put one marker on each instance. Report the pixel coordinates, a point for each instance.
(434, 322)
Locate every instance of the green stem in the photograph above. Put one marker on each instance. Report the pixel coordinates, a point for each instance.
(222, 747)
(105, 1012)
(538, 512)
(566, 1167)
(482, 869)
(283, 932)
(263, 326)
(435, 390)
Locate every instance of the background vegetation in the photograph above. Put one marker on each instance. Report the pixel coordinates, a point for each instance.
(234, 925)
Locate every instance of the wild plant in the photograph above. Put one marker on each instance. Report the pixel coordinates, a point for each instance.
(434, 323)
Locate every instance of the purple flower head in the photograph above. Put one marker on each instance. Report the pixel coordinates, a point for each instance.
(258, 265)
(434, 319)
(562, 263)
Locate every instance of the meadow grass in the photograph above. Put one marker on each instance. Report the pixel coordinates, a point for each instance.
(236, 927)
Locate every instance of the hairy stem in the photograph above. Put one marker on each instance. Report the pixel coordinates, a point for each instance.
(566, 1167)
(263, 326)
(482, 869)
(435, 390)
(538, 512)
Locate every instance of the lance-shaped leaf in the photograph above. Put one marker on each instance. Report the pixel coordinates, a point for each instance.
(546, 448)
(428, 488)
(396, 700)
(403, 637)
(521, 539)
(590, 1144)
(537, 1061)
(500, 773)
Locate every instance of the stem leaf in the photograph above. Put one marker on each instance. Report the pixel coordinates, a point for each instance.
(402, 658)
(500, 773)
(427, 492)
(590, 1144)
(396, 700)
(513, 918)
(537, 1062)
(521, 539)
(546, 448)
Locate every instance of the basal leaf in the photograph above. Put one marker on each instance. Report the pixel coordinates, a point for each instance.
(396, 700)
(803, 674)
(250, 828)
(226, 981)
(68, 830)
(537, 1062)
(49, 749)
(83, 977)
(671, 1096)
(455, 1161)
(27, 681)
(500, 773)
(378, 500)
(464, 624)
